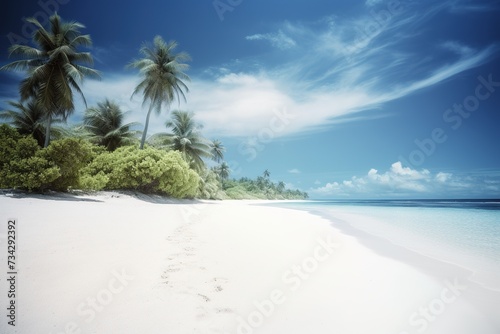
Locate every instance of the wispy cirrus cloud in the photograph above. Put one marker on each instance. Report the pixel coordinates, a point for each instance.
(461, 50)
(279, 39)
(330, 78)
(468, 6)
(330, 70)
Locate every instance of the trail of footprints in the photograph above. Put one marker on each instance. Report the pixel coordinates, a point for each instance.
(186, 243)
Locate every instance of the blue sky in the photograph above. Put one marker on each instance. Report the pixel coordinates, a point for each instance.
(343, 99)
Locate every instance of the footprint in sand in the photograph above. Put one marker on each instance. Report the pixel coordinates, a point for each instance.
(219, 282)
(204, 297)
(224, 310)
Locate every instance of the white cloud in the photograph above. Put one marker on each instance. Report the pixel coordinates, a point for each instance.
(400, 181)
(118, 88)
(294, 171)
(456, 47)
(244, 104)
(279, 39)
(239, 104)
(233, 104)
(445, 72)
(328, 79)
(443, 177)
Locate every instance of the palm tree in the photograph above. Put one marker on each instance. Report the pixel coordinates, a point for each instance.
(78, 131)
(266, 174)
(223, 171)
(261, 182)
(28, 119)
(105, 123)
(217, 150)
(209, 184)
(186, 138)
(280, 187)
(162, 74)
(53, 67)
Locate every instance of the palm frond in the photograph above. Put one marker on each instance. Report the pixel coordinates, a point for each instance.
(53, 66)
(160, 70)
(186, 137)
(105, 123)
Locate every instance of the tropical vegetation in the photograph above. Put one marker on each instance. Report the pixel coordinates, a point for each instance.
(104, 151)
(185, 136)
(29, 119)
(54, 68)
(260, 188)
(105, 125)
(162, 72)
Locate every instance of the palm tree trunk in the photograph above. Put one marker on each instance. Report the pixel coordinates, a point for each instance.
(47, 130)
(144, 133)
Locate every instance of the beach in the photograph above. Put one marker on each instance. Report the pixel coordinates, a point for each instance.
(124, 263)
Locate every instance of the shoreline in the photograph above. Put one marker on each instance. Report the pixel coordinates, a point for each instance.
(484, 297)
(108, 261)
(342, 219)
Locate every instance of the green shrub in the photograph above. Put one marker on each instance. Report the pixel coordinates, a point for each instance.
(21, 164)
(93, 182)
(24, 165)
(8, 146)
(239, 192)
(75, 163)
(148, 170)
(209, 186)
(70, 155)
(33, 173)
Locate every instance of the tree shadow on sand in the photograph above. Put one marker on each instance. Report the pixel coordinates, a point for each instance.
(50, 195)
(97, 197)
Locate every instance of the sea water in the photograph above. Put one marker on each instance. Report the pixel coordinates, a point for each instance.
(465, 233)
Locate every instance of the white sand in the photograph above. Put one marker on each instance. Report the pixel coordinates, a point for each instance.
(120, 264)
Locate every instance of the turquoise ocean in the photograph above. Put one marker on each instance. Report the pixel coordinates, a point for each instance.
(465, 233)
